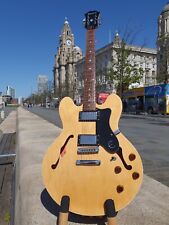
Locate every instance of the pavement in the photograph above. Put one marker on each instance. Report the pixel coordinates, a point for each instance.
(153, 117)
(35, 135)
(9, 124)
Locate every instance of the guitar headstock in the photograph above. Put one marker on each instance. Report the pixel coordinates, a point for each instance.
(92, 20)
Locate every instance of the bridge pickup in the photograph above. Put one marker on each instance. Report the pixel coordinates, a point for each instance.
(88, 150)
(88, 116)
(87, 140)
(88, 162)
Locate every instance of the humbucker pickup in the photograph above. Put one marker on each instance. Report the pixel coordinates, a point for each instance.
(89, 150)
(88, 162)
(87, 140)
(88, 116)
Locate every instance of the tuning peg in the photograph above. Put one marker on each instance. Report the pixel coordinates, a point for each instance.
(84, 22)
(99, 21)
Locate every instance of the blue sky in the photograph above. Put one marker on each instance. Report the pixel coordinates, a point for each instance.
(29, 31)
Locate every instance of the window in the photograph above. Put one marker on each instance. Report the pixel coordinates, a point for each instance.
(153, 74)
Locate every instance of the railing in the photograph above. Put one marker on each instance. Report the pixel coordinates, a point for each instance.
(3, 156)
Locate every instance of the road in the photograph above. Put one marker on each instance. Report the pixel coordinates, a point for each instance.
(150, 137)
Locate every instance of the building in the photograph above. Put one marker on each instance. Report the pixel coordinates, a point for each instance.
(144, 58)
(65, 59)
(69, 64)
(42, 81)
(10, 91)
(20, 100)
(163, 46)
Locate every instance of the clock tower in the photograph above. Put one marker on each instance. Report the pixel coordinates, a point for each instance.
(66, 37)
(163, 46)
(64, 69)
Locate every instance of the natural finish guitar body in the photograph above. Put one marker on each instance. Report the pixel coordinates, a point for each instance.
(90, 186)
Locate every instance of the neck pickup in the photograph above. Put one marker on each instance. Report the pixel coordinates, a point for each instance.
(91, 116)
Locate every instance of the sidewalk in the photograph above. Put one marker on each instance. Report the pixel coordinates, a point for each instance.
(9, 124)
(150, 207)
(153, 117)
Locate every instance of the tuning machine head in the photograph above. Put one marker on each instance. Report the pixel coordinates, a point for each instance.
(92, 20)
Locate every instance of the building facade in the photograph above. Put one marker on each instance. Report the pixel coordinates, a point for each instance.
(69, 63)
(144, 58)
(163, 46)
(10, 91)
(42, 82)
(65, 59)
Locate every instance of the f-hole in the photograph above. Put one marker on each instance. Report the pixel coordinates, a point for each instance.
(120, 154)
(53, 166)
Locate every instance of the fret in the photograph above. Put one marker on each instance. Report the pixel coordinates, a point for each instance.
(89, 96)
(89, 102)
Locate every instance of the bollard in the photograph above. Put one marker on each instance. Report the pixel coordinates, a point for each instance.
(2, 115)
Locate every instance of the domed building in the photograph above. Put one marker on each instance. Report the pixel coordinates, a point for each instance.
(166, 8)
(65, 59)
(163, 46)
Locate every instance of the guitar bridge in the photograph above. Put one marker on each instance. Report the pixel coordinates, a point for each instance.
(88, 162)
(92, 150)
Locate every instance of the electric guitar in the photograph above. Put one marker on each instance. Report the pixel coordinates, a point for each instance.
(91, 161)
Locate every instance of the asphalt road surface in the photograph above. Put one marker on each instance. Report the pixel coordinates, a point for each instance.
(150, 137)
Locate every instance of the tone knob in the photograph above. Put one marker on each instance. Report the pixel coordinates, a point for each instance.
(111, 144)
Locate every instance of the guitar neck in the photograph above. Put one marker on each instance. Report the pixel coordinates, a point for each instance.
(89, 95)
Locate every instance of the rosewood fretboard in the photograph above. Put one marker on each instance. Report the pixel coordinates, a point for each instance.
(89, 95)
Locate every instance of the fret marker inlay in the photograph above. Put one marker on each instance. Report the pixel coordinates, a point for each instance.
(89, 101)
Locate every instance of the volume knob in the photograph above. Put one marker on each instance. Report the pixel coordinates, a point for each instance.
(111, 145)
